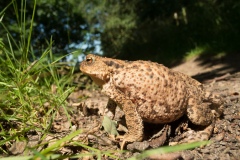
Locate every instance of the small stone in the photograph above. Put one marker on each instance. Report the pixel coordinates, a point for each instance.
(220, 136)
(139, 146)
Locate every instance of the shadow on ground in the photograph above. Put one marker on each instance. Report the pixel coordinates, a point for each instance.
(210, 67)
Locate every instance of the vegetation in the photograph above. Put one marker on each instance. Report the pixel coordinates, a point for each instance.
(27, 102)
(36, 36)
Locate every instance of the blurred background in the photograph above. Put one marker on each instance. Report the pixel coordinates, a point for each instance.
(157, 30)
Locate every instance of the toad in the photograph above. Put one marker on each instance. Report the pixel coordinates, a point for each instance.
(150, 92)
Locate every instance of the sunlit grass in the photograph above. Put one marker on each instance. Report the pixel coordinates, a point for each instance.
(203, 51)
(195, 52)
(25, 86)
(169, 149)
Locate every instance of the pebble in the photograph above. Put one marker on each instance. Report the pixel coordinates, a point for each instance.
(220, 136)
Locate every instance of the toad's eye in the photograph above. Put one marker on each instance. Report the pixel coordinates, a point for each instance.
(89, 60)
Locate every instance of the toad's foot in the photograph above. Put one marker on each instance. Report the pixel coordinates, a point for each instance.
(128, 138)
(193, 136)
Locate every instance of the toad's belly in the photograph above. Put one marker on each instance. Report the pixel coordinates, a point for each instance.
(162, 112)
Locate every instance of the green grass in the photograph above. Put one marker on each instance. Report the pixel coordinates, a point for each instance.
(167, 149)
(26, 88)
(197, 51)
(204, 51)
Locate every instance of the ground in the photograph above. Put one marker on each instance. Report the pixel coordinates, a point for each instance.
(219, 74)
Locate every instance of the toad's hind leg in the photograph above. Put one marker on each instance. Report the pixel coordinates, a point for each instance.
(199, 113)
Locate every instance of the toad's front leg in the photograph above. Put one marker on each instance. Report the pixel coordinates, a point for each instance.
(134, 123)
(133, 120)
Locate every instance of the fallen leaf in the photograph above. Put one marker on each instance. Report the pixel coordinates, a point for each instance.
(109, 126)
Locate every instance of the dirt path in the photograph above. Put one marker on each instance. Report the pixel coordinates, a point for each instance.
(220, 75)
(226, 137)
(206, 68)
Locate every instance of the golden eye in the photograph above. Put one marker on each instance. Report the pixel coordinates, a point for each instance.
(89, 60)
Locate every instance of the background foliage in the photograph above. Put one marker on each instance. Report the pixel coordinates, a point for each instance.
(138, 29)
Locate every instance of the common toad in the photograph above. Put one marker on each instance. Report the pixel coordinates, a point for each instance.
(148, 91)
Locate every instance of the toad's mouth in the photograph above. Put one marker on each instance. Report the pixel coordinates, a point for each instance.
(99, 79)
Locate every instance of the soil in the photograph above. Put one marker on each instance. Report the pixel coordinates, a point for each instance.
(218, 74)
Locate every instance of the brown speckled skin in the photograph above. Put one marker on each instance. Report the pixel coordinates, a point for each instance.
(150, 92)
